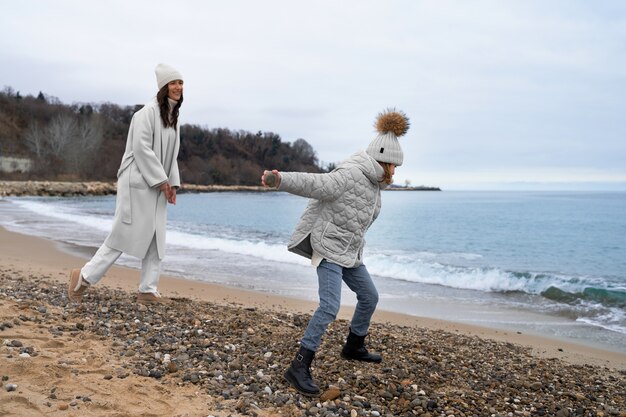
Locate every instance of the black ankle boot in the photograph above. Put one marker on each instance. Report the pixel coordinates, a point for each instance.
(299, 374)
(355, 349)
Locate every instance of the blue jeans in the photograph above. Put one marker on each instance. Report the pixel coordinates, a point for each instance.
(329, 276)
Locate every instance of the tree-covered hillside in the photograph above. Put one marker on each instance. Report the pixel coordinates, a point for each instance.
(86, 141)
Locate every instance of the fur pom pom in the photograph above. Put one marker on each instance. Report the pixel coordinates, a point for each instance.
(392, 120)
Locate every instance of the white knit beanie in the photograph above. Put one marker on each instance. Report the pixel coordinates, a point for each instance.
(385, 147)
(165, 74)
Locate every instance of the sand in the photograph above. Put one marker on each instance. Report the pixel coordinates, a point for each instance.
(69, 365)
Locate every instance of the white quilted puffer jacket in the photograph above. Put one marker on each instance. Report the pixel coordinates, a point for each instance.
(344, 203)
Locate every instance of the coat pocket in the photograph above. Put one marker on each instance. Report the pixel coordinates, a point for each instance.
(336, 239)
(136, 179)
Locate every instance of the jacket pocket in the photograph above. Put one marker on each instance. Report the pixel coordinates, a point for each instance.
(336, 239)
(136, 179)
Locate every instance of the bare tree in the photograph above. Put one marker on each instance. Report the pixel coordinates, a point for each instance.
(9, 91)
(69, 139)
(60, 135)
(86, 142)
(89, 134)
(35, 139)
(304, 151)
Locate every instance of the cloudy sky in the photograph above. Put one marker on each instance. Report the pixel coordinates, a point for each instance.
(501, 94)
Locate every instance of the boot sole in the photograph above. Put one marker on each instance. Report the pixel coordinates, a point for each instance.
(151, 299)
(294, 384)
(350, 358)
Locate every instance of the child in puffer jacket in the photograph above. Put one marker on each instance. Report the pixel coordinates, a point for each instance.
(343, 204)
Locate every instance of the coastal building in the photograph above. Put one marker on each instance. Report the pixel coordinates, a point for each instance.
(13, 164)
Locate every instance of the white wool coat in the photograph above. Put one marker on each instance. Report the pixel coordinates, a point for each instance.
(342, 206)
(148, 162)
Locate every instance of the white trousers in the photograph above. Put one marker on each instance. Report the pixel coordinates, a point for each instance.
(105, 257)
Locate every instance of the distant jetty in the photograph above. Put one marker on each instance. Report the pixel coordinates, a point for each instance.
(394, 187)
(55, 188)
(70, 188)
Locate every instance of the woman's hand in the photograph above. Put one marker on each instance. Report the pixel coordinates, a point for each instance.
(169, 191)
(270, 179)
(172, 198)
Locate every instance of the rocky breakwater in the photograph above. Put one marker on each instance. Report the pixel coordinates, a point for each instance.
(197, 188)
(237, 356)
(67, 188)
(55, 188)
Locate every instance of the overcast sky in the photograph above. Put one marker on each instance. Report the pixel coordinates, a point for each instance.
(501, 94)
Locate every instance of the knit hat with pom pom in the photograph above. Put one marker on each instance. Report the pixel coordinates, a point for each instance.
(390, 124)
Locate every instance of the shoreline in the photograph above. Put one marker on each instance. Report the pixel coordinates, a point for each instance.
(29, 255)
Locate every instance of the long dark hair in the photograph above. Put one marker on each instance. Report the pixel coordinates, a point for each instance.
(164, 107)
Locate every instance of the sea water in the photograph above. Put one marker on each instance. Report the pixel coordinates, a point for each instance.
(551, 263)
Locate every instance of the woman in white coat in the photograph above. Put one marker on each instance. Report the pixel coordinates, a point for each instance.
(147, 180)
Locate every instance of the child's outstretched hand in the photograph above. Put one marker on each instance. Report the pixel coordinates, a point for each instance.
(270, 179)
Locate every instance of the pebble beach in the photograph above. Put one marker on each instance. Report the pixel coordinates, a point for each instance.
(213, 352)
